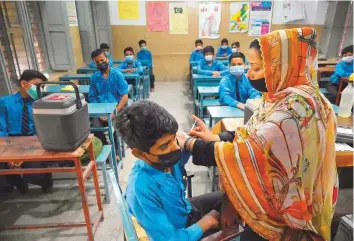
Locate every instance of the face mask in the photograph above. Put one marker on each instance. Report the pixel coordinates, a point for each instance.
(224, 47)
(208, 58)
(32, 92)
(144, 48)
(259, 84)
(237, 70)
(102, 66)
(107, 53)
(129, 58)
(234, 50)
(348, 59)
(199, 48)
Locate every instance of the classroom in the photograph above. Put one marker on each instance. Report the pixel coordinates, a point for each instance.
(176, 120)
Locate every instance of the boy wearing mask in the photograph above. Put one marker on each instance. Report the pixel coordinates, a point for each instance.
(156, 191)
(145, 55)
(106, 86)
(209, 66)
(16, 119)
(235, 88)
(129, 65)
(197, 54)
(235, 47)
(105, 48)
(224, 50)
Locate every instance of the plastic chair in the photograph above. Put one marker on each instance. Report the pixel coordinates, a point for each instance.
(101, 162)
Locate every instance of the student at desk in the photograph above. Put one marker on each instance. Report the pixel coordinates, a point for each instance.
(197, 54)
(106, 86)
(145, 54)
(235, 47)
(224, 50)
(235, 87)
(105, 48)
(16, 120)
(209, 65)
(129, 65)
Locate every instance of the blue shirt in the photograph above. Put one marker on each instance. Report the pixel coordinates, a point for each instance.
(196, 55)
(227, 90)
(157, 200)
(343, 69)
(108, 90)
(205, 69)
(11, 108)
(93, 64)
(145, 55)
(135, 65)
(221, 52)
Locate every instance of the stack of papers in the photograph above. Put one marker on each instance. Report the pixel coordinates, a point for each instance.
(343, 147)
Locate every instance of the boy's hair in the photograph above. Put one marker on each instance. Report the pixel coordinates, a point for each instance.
(143, 123)
(224, 40)
(198, 41)
(237, 55)
(30, 74)
(128, 49)
(208, 49)
(104, 46)
(142, 42)
(97, 52)
(348, 49)
(237, 44)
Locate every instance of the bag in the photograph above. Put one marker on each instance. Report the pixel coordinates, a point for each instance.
(97, 148)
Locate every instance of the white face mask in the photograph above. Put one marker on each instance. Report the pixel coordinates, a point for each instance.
(348, 59)
(209, 58)
(199, 48)
(224, 47)
(234, 50)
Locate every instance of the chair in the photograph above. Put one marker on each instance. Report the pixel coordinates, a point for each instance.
(341, 88)
(101, 162)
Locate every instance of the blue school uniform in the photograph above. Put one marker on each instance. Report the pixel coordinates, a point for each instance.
(145, 55)
(205, 69)
(134, 65)
(343, 69)
(221, 52)
(196, 55)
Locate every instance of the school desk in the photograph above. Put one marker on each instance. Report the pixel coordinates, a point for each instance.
(29, 149)
(133, 79)
(201, 102)
(86, 70)
(204, 80)
(84, 79)
(217, 113)
(117, 61)
(327, 62)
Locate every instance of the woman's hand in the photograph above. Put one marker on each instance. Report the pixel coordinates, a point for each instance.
(202, 131)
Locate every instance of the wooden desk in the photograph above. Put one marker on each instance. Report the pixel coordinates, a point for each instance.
(322, 63)
(29, 149)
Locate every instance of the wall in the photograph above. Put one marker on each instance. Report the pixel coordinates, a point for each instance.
(77, 49)
(171, 52)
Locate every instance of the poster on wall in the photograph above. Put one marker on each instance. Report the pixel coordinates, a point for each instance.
(293, 10)
(209, 20)
(72, 15)
(157, 16)
(239, 17)
(178, 18)
(260, 18)
(128, 10)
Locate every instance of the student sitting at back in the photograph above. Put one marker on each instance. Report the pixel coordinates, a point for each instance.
(235, 88)
(224, 50)
(197, 54)
(106, 86)
(129, 65)
(209, 65)
(156, 190)
(145, 55)
(105, 48)
(235, 47)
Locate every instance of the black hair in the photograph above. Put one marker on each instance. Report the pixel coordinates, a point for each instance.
(198, 41)
(348, 49)
(224, 40)
(143, 123)
(30, 74)
(255, 45)
(237, 44)
(128, 49)
(104, 46)
(142, 42)
(237, 55)
(97, 52)
(208, 49)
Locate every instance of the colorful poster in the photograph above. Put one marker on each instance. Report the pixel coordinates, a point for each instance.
(260, 18)
(72, 15)
(116, 10)
(239, 17)
(157, 16)
(209, 20)
(178, 18)
(293, 10)
(128, 10)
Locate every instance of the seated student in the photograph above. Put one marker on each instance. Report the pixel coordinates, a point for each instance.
(224, 50)
(235, 88)
(197, 54)
(235, 47)
(343, 68)
(105, 48)
(209, 65)
(156, 191)
(106, 86)
(145, 54)
(129, 65)
(16, 120)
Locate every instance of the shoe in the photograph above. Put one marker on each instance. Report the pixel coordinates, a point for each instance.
(152, 90)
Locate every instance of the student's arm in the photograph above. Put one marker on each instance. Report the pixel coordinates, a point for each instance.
(192, 57)
(225, 93)
(121, 68)
(3, 119)
(222, 68)
(150, 59)
(110, 61)
(139, 69)
(229, 50)
(93, 93)
(92, 64)
(122, 91)
(203, 72)
(219, 53)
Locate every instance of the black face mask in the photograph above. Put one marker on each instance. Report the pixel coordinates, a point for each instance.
(259, 84)
(102, 66)
(168, 159)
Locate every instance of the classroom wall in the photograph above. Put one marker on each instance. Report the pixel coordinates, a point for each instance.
(77, 49)
(171, 52)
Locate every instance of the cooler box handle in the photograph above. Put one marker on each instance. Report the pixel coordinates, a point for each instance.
(76, 90)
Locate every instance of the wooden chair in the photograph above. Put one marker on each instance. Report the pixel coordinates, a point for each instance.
(341, 87)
